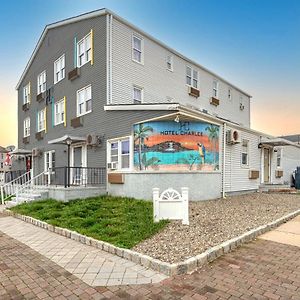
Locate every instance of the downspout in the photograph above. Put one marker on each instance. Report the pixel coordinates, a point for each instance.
(224, 162)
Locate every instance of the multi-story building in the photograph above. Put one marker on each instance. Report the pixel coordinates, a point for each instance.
(3, 153)
(98, 92)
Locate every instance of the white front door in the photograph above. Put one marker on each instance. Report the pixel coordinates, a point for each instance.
(49, 165)
(78, 164)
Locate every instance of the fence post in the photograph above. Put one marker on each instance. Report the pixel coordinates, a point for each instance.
(65, 176)
(155, 204)
(2, 195)
(185, 203)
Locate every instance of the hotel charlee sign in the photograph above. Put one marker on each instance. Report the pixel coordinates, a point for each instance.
(169, 146)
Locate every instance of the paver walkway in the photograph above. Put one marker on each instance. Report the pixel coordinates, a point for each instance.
(262, 269)
(94, 266)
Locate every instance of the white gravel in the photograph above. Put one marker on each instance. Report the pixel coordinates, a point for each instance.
(213, 222)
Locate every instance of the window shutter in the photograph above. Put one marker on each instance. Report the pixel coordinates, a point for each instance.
(53, 113)
(65, 111)
(45, 119)
(92, 46)
(75, 52)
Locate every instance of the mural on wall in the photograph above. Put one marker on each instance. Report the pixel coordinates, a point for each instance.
(169, 146)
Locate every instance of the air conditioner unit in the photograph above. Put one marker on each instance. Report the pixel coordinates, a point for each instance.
(92, 140)
(112, 165)
(242, 106)
(233, 137)
(36, 152)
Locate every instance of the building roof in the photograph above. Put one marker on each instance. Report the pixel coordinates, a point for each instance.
(295, 138)
(3, 150)
(105, 11)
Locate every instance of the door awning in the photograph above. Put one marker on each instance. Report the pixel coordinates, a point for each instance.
(67, 140)
(21, 152)
(277, 142)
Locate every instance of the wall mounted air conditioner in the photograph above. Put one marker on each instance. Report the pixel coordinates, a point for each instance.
(233, 137)
(112, 165)
(36, 152)
(92, 140)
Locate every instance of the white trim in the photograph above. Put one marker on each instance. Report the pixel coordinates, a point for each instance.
(84, 40)
(141, 107)
(78, 114)
(137, 36)
(83, 154)
(247, 165)
(102, 12)
(43, 88)
(141, 89)
(24, 127)
(63, 56)
(55, 111)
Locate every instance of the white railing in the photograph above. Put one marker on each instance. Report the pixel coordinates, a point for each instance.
(35, 183)
(9, 189)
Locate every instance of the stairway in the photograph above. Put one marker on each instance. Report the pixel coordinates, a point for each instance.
(277, 188)
(28, 196)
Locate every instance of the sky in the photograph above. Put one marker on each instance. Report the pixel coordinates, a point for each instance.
(254, 44)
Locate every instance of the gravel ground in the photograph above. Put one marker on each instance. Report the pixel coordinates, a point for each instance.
(213, 222)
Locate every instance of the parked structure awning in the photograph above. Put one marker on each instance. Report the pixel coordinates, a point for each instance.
(67, 140)
(21, 152)
(277, 142)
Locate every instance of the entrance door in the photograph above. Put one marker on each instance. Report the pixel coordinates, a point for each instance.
(266, 165)
(77, 164)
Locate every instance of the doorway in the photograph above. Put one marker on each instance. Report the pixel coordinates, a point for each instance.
(78, 164)
(266, 165)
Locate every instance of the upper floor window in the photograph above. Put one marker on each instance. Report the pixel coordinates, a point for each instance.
(59, 112)
(170, 62)
(84, 50)
(41, 82)
(59, 69)
(191, 77)
(137, 95)
(245, 152)
(229, 95)
(26, 94)
(137, 49)
(41, 120)
(215, 88)
(84, 100)
(27, 127)
(119, 153)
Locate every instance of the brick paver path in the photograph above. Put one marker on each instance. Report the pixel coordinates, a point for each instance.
(259, 270)
(95, 267)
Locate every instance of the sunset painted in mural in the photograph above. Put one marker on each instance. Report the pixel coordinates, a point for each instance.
(168, 146)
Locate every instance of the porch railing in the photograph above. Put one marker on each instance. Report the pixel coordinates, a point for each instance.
(77, 176)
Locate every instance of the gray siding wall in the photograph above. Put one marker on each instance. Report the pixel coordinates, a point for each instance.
(161, 85)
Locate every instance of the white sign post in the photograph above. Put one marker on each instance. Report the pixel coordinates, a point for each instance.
(171, 205)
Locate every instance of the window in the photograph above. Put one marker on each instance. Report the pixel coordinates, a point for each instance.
(170, 62)
(59, 112)
(191, 77)
(84, 100)
(49, 162)
(41, 82)
(215, 88)
(84, 50)
(27, 127)
(59, 69)
(137, 95)
(41, 120)
(229, 95)
(137, 49)
(26, 94)
(245, 152)
(119, 152)
(279, 155)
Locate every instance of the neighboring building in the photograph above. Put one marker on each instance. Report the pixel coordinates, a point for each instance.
(3, 152)
(295, 138)
(127, 104)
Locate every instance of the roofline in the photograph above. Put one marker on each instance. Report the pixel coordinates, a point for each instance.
(105, 11)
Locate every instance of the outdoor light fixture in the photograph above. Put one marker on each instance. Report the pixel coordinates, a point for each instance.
(177, 120)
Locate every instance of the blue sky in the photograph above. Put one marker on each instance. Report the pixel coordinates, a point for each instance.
(255, 44)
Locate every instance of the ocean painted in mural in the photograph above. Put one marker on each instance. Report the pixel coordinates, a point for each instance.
(171, 146)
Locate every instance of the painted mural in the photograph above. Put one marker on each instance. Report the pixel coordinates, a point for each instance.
(170, 146)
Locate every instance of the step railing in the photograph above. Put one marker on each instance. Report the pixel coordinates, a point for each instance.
(35, 183)
(9, 189)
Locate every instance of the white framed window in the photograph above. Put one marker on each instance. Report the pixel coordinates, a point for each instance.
(49, 160)
(59, 69)
(215, 88)
(27, 127)
(137, 49)
(169, 61)
(191, 77)
(119, 152)
(26, 94)
(245, 153)
(59, 112)
(229, 94)
(41, 82)
(278, 158)
(41, 120)
(137, 95)
(84, 100)
(84, 50)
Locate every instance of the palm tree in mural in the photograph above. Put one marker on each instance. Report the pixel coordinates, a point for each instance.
(213, 135)
(140, 134)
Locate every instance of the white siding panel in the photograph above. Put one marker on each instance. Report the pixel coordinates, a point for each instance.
(290, 161)
(161, 85)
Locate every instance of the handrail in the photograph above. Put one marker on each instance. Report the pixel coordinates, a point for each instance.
(9, 189)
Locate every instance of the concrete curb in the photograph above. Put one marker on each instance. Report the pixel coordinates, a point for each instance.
(168, 269)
